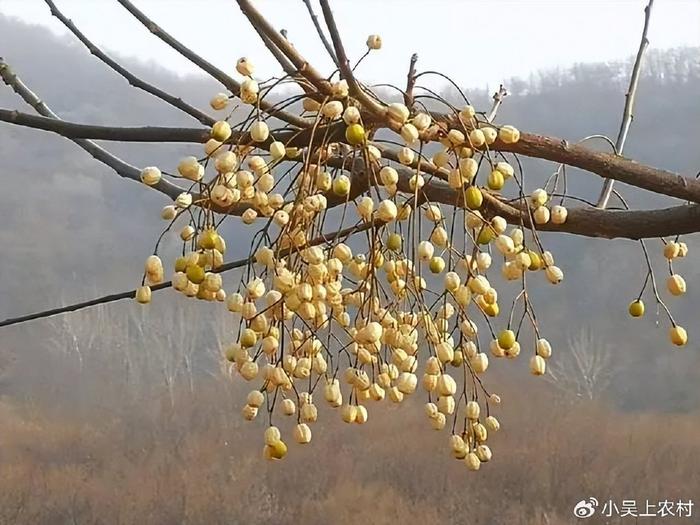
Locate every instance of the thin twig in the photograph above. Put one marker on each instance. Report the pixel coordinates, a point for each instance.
(118, 165)
(205, 65)
(498, 97)
(627, 114)
(130, 77)
(320, 32)
(410, 82)
(322, 239)
(344, 64)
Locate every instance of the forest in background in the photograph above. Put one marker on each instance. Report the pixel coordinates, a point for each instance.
(122, 415)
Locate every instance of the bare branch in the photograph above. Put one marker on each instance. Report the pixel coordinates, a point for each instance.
(410, 82)
(498, 97)
(122, 168)
(627, 115)
(130, 77)
(344, 64)
(320, 32)
(305, 68)
(604, 164)
(72, 130)
(207, 66)
(322, 239)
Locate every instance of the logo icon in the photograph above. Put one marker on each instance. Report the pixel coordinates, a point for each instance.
(585, 508)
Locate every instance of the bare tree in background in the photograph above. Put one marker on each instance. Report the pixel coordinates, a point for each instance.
(584, 368)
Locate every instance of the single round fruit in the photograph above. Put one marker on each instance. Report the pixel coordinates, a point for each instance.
(506, 339)
(678, 335)
(437, 264)
(195, 273)
(355, 134)
(492, 310)
(636, 308)
(394, 242)
(221, 131)
(535, 261)
(180, 264)
(496, 180)
(341, 186)
(474, 198)
(208, 239)
(485, 236)
(278, 449)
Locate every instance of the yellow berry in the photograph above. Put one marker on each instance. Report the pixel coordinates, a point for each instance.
(437, 264)
(474, 198)
(221, 131)
(678, 335)
(341, 186)
(355, 134)
(143, 295)
(208, 239)
(636, 308)
(195, 273)
(394, 242)
(506, 339)
(496, 181)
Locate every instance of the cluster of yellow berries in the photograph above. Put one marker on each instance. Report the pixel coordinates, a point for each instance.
(676, 286)
(319, 318)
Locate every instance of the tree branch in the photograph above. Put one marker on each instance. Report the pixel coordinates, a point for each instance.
(587, 222)
(130, 77)
(627, 115)
(410, 82)
(72, 130)
(322, 239)
(320, 32)
(305, 68)
(206, 66)
(118, 165)
(604, 164)
(538, 146)
(344, 64)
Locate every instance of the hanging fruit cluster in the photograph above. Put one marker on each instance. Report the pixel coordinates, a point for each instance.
(414, 312)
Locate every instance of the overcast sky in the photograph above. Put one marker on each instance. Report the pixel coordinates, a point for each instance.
(477, 42)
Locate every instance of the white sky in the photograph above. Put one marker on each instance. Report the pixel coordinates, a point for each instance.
(477, 42)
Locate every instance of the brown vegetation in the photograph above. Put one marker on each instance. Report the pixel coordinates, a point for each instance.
(198, 463)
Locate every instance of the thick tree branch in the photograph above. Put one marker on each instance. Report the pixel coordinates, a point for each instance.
(72, 130)
(130, 77)
(604, 164)
(303, 66)
(554, 149)
(587, 222)
(207, 66)
(627, 115)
